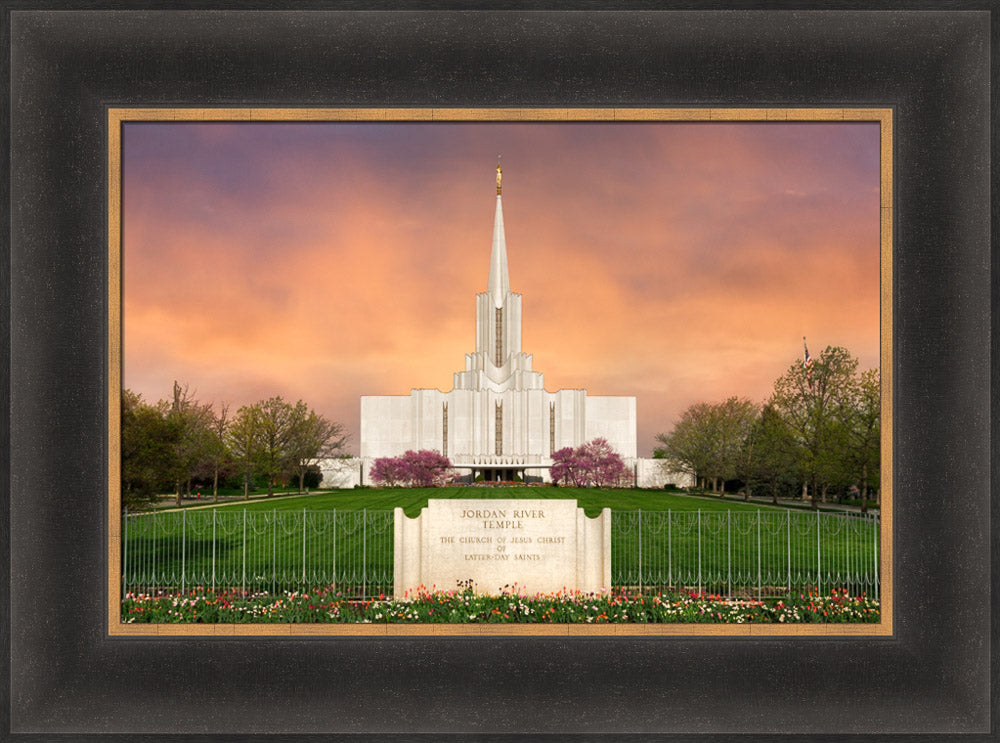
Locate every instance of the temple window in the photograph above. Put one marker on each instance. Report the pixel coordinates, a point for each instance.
(499, 334)
(552, 427)
(499, 428)
(444, 429)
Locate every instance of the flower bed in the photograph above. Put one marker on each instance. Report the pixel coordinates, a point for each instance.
(463, 606)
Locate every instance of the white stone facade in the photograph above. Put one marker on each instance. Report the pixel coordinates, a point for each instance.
(486, 428)
(352, 472)
(527, 546)
(654, 473)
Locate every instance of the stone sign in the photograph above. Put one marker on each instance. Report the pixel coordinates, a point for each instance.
(531, 546)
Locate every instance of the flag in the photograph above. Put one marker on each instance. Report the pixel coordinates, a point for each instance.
(807, 362)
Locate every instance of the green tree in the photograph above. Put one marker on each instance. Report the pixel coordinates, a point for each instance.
(776, 451)
(688, 447)
(148, 449)
(710, 439)
(313, 437)
(277, 419)
(864, 432)
(216, 451)
(243, 439)
(811, 407)
(194, 436)
(733, 422)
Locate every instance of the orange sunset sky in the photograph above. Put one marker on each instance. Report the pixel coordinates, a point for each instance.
(676, 262)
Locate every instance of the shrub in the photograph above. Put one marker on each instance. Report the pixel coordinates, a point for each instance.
(312, 477)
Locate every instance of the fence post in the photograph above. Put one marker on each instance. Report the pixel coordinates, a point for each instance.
(213, 550)
(876, 528)
(303, 548)
(788, 522)
(154, 559)
(729, 551)
(670, 553)
(243, 584)
(819, 574)
(640, 550)
(699, 550)
(758, 556)
(274, 551)
(183, 545)
(124, 550)
(334, 549)
(364, 552)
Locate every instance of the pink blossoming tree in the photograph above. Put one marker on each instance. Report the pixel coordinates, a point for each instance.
(416, 469)
(564, 467)
(426, 468)
(593, 464)
(388, 472)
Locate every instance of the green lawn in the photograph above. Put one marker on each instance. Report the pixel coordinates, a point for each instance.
(411, 500)
(345, 538)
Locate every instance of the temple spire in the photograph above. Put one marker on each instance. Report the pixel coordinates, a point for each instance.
(498, 285)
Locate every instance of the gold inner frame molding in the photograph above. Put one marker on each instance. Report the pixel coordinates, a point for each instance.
(117, 117)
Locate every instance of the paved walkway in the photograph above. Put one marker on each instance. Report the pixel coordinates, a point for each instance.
(785, 502)
(206, 501)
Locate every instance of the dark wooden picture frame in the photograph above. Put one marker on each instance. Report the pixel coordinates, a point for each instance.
(67, 675)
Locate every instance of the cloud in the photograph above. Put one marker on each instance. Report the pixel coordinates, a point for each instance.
(675, 262)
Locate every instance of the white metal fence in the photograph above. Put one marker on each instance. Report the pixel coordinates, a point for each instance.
(272, 551)
(734, 553)
(761, 553)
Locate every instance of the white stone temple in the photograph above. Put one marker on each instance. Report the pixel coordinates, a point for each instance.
(498, 421)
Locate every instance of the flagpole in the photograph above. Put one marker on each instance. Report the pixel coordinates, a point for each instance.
(807, 362)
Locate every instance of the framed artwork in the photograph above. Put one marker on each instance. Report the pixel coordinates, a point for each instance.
(70, 674)
(187, 291)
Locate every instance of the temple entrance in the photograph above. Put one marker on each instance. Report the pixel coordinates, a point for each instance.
(502, 474)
